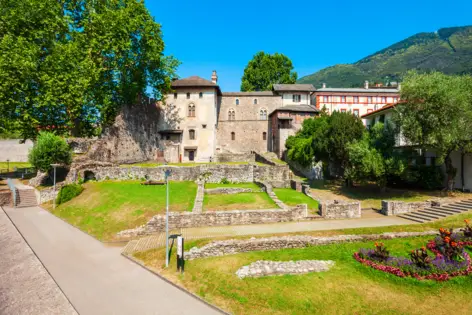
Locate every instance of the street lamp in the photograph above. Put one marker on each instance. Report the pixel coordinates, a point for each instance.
(54, 194)
(166, 175)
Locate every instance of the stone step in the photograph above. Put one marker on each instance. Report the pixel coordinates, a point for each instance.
(444, 211)
(463, 204)
(426, 215)
(408, 216)
(434, 213)
(129, 248)
(452, 211)
(455, 207)
(421, 216)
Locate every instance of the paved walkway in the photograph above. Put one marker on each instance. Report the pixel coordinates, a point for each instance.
(95, 278)
(25, 285)
(371, 220)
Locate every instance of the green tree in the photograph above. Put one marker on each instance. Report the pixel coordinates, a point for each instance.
(374, 158)
(265, 70)
(436, 113)
(49, 149)
(70, 65)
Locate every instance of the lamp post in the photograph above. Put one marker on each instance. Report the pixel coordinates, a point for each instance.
(167, 174)
(54, 194)
(8, 165)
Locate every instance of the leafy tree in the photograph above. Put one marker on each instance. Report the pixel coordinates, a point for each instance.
(374, 158)
(325, 139)
(49, 149)
(70, 65)
(436, 113)
(265, 70)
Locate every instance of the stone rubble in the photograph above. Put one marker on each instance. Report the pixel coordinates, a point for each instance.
(262, 268)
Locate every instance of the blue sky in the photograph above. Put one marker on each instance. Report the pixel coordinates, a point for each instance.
(224, 35)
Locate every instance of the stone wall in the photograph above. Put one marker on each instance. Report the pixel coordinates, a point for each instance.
(227, 191)
(248, 136)
(399, 207)
(229, 247)
(338, 209)
(48, 194)
(235, 157)
(217, 218)
(212, 173)
(312, 172)
(5, 197)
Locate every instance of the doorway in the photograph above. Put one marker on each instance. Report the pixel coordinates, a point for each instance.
(191, 155)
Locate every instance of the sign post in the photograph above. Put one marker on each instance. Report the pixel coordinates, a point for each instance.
(180, 254)
(167, 174)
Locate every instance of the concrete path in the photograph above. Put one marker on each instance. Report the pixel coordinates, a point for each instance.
(25, 285)
(95, 278)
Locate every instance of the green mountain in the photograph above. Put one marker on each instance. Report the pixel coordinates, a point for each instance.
(448, 50)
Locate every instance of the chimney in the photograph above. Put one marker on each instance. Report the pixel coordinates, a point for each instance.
(366, 85)
(324, 85)
(214, 77)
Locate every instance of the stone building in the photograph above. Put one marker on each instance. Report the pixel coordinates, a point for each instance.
(201, 121)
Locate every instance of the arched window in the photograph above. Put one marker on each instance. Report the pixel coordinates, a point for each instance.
(233, 136)
(231, 114)
(255, 101)
(237, 101)
(191, 134)
(191, 110)
(188, 96)
(263, 114)
(264, 136)
(200, 95)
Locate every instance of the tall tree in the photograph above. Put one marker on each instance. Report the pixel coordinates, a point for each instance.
(436, 113)
(71, 64)
(265, 70)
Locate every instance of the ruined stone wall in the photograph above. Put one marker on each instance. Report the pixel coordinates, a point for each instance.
(217, 218)
(273, 174)
(337, 209)
(228, 191)
(399, 207)
(235, 157)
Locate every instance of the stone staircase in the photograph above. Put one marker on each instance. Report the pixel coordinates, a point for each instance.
(434, 213)
(25, 198)
(145, 243)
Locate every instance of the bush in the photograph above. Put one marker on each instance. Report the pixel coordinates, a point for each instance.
(68, 192)
(49, 149)
(421, 176)
(225, 181)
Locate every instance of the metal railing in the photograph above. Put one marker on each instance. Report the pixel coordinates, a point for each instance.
(12, 187)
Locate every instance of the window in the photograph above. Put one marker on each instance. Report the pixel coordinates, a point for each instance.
(255, 101)
(175, 95)
(231, 114)
(191, 134)
(263, 114)
(188, 96)
(395, 99)
(384, 99)
(296, 98)
(264, 136)
(325, 98)
(200, 95)
(369, 99)
(382, 118)
(343, 110)
(204, 126)
(237, 101)
(233, 136)
(355, 112)
(191, 110)
(343, 99)
(356, 99)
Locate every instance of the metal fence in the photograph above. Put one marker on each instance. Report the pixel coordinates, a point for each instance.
(23, 173)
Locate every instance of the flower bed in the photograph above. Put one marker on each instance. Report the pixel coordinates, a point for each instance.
(449, 260)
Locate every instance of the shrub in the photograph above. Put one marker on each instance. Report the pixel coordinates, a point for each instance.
(225, 181)
(467, 230)
(68, 192)
(49, 149)
(420, 257)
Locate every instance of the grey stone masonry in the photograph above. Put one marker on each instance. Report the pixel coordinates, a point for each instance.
(399, 207)
(267, 187)
(229, 247)
(338, 209)
(198, 204)
(228, 191)
(217, 218)
(262, 268)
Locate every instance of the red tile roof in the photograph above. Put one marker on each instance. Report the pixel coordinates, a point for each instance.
(388, 106)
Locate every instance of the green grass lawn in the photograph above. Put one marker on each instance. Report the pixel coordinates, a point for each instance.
(292, 198)
(370, 196)
(252, 186)
(242, 201)
(105, 208)
(12, 165)
(348, 288)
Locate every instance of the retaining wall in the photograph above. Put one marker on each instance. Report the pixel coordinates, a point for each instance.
(338, 209)
(399, 207)
(217, 218)
(5, 198)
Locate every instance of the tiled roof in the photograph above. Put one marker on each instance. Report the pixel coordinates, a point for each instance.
(254, 93)
(294, 88)
(388, 106)
(297, 108)
(193, 81)
(358, 90)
